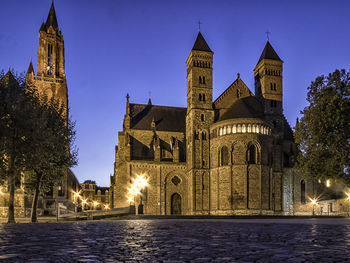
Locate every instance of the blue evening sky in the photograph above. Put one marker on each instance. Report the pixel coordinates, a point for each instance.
(113, 47)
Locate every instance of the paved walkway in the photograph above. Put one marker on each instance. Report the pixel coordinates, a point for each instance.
(179, 240)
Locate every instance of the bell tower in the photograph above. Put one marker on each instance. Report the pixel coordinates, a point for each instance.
(200, 116)
(268, 80)
(50, 78)
(268, 87)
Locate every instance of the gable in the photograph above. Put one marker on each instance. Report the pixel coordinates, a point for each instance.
(235, 91)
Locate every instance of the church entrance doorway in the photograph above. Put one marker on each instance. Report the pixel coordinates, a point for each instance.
(176, 204)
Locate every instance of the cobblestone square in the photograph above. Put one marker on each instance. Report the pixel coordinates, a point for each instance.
(178, 240)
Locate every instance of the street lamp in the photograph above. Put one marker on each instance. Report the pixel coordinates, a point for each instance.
(139, 183)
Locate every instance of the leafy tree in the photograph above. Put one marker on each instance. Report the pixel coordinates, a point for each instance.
(35, 140)
(323, 133)
(14, 123)
(51, 140)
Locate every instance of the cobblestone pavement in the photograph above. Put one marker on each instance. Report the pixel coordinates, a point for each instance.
(178, 240)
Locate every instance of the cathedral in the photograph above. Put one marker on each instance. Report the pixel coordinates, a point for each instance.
(231, 155)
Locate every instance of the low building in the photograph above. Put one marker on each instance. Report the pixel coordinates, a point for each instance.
(94, 197)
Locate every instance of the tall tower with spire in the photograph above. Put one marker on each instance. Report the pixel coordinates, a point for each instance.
(200, 115)
(50, 78)
(268, 86)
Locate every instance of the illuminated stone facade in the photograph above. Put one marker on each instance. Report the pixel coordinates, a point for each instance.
(93, 197)
(230, 156)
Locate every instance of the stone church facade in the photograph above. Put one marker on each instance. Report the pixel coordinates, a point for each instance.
(228, 156)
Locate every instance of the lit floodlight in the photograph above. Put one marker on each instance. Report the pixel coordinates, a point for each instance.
(84, 201)
(347, 195)
(95, 203)
(106, 206)
(313, 201)
(130, 198)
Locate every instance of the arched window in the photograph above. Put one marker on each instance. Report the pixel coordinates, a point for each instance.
(200, 97)
(204, 136)
(274, 86)
(271, 86)
(203, 97)
(203, 80)
(251, 154)
(223, 156)
(194, 63)
(200, 80)
(202, 117)
(302, 192)
(232, 155)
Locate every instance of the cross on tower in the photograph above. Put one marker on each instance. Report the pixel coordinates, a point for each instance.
(199, 25)
(267, 34)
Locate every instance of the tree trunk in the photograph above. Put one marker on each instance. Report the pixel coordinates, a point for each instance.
(33, 215)
(11, 210)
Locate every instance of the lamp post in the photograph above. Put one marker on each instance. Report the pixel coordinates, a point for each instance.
(314, 202)
(76, 199)
(139, 183)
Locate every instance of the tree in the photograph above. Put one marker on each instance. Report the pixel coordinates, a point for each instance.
(14, 123)
(53, 152)
(323, 133)
(36, 139)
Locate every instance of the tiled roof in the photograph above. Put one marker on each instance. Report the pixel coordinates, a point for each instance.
(269, 53)
(248, 107)
(166, 118)
(201, 44)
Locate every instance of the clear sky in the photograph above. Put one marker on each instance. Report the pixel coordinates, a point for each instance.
(113, 47)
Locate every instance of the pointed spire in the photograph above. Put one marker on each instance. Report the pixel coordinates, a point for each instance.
(30, 68)
(269, 53)
(9, 80)
(51, 18)
(200, 44)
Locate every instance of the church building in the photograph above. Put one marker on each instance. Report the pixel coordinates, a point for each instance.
(231, 155)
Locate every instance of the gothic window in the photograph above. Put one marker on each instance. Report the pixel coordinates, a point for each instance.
(271, 86)
(249, 128)
(202, 117)
(302, 192)
(274, 124)
(200, 97)
(273, 103)
(224, 131)
(49, 59)
(220, 131)
(209, 64)
(243, 128)
(194, 63)
(200, 80)
(203, 80)
(204, 136)
(274, 86)
(196, 136)
(223, 156)
(203, 97)
(251, 154)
